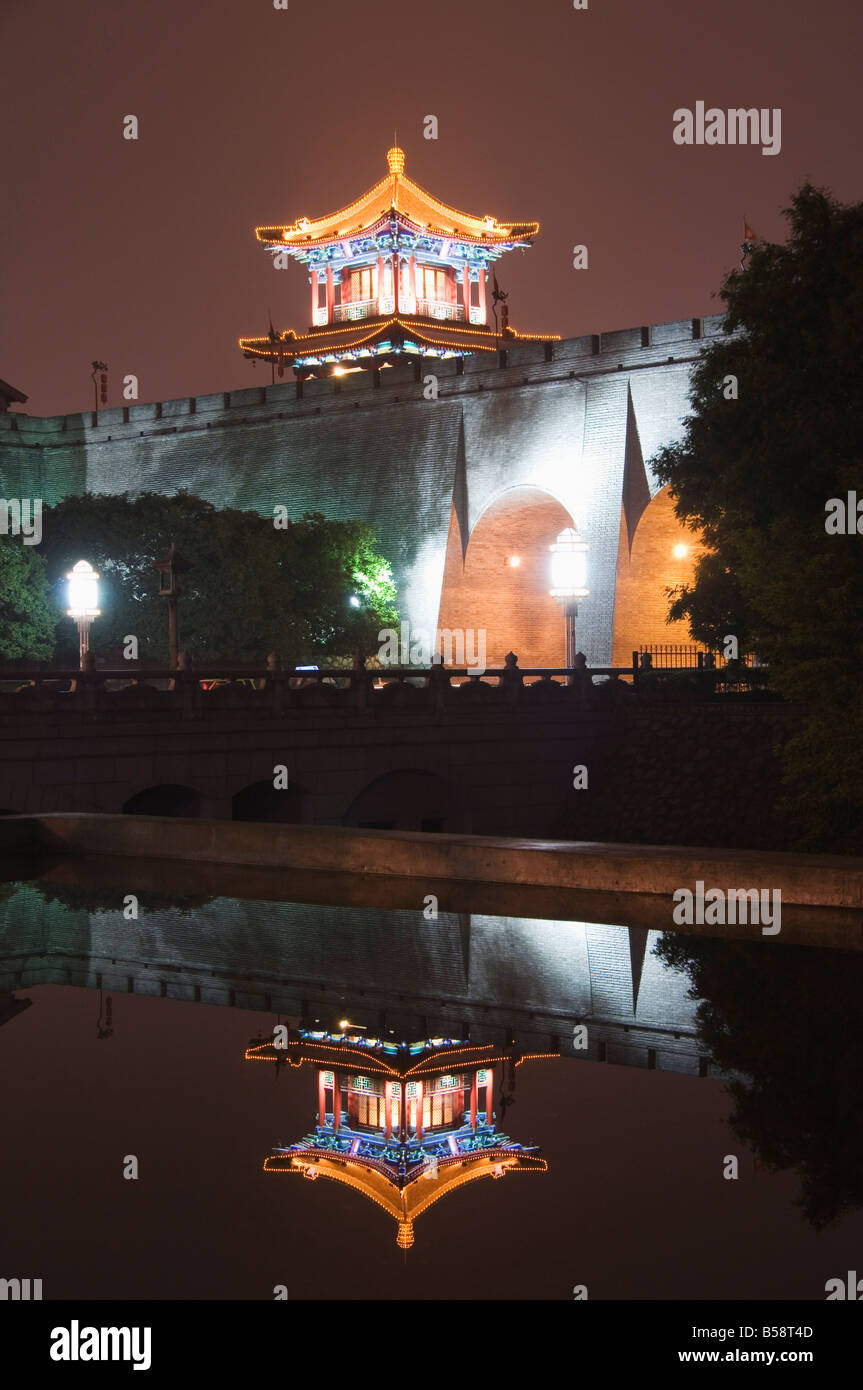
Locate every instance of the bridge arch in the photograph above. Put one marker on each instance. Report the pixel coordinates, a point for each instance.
(484, 590)
(409, 799)
(167, 799)
(261, 801)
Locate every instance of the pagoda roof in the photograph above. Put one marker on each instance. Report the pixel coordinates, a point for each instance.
(342, 339)
(399, 1061)
(406, 1201)
(396, 193)
(10, 395)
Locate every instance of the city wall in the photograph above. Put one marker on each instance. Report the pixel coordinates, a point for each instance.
(574, 423)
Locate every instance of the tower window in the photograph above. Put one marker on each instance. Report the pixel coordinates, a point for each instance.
(431, 283)
(363, 283)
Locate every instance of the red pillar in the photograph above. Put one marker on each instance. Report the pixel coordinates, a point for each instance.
(322, 1100)
(396, 272)
(329, 294)
(388, 1109)
(419, 1112)
(465, 280)
(412, 279)
(482, 296)
(473, 1091)
(381, 282)
(458, 1100)
(337, 1100)
(314, 296)
(403, 1112)
(489, 1095)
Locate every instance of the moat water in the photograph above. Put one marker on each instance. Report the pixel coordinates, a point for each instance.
(700, 1125)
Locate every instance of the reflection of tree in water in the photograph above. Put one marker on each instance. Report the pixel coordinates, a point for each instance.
(89, 898)
(789, 1019)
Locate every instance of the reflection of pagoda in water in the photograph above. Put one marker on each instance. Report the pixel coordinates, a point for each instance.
(402, 1123)
(10, 1007)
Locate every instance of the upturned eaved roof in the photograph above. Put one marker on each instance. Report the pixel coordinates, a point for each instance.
(405, 1202)
(395, 1060)
(365, 333)
(396, 191)
(10, 395)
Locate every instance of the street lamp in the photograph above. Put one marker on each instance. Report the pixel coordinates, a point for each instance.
(568, 575)
(83, 603)
(172, 565)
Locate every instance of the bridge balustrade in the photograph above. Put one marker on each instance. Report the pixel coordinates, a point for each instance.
(210, 688)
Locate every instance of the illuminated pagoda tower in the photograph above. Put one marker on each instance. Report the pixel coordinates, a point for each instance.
(395, 272)
(403, 1123)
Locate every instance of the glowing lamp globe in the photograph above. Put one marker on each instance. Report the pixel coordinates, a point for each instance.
(83, 592)
(569, 566)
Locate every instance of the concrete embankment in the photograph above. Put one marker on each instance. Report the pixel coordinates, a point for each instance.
(805, 880)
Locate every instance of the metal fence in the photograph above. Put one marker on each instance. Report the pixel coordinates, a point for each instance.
(665, 656)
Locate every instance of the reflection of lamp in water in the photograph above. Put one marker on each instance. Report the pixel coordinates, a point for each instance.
(390, 1113)
(108, 1029)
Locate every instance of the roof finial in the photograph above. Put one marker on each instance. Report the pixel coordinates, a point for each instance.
(396, 160)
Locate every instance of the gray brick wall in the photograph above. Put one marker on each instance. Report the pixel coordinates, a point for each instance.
(387, 456)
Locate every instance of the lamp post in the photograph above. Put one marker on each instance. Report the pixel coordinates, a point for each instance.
(172, 565)
(568, 574)
(83, 604)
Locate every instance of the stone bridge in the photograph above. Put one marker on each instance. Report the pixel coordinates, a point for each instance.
(492, 756)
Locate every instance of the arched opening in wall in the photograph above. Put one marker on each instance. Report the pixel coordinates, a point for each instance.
(411, 799)
(663, 555)
(169, 799)
(502, 586)
(261, 801)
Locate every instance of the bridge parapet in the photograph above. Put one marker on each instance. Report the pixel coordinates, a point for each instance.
(217, 688)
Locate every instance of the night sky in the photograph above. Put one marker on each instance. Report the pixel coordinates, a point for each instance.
(143, 253)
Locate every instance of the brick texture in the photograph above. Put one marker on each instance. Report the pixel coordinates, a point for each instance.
(641, 608)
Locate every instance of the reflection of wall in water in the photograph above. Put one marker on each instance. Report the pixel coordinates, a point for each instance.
(493, 974)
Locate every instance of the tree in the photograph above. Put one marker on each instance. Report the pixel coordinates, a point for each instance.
(785, 1022)
(775, 433)
(251, 588)
(26, 618)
